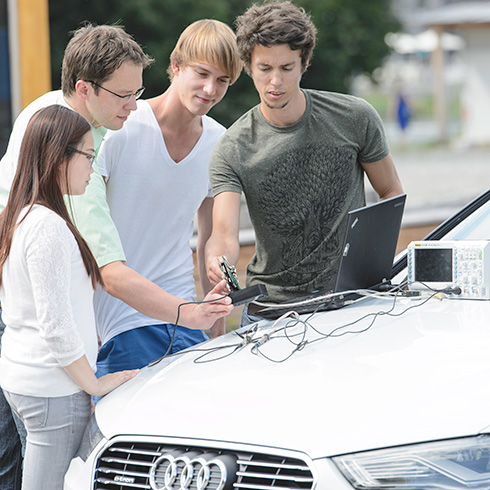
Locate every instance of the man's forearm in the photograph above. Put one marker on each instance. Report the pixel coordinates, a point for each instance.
(140, 293)
(124, 283)
(220, 245)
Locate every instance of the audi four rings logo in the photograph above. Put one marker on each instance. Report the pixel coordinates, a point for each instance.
(193, 470)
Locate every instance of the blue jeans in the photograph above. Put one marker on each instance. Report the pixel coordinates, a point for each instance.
(248, 319)
(138, 347)
(10, 443)
(55, 427)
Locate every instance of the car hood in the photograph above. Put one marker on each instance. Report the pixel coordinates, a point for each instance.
(421, 375)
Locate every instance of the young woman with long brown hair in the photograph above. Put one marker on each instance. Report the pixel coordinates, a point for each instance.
(47, 278)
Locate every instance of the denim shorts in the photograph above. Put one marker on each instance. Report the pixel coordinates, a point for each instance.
(140, 346)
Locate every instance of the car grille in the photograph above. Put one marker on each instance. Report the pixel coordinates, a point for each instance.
(131, 465)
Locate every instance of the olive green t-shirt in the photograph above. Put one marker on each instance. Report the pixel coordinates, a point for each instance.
(300, 181)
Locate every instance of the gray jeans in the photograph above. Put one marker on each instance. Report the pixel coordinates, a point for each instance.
(55, 428)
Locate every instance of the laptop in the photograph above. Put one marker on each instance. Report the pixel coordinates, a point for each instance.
(367, 259)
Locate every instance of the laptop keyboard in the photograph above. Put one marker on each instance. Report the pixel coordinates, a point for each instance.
(322, 301)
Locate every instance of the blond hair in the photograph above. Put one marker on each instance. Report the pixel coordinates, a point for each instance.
(211, 42)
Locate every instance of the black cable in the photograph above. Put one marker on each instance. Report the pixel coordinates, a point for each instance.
(176, 324)
(324, 336)
(303, 342)
(246, 339)
(197, 349)
(200, 359)
(298, 345)
(447, 290)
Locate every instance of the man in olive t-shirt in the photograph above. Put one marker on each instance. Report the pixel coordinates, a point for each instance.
(299, 157)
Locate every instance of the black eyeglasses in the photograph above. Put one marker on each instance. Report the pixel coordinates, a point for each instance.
(126, 98)
(90, 156)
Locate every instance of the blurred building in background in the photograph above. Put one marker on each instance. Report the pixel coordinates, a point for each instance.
(472, 21)
(439, 62)
(408, 10)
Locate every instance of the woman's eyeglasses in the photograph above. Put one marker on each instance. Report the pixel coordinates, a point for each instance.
(90, 156)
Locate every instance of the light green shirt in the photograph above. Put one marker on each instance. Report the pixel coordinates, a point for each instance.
(90, 211)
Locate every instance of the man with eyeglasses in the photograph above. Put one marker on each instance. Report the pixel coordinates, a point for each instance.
(156, 171)
(102, 77)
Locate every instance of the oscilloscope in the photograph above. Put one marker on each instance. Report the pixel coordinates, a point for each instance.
(458, 263)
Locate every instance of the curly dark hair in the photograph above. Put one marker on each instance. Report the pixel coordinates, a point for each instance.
(274, 23)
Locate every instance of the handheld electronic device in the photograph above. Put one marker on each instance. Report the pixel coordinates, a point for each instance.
(238, 295)
(246, 295)
(438, 265)
(229, 271)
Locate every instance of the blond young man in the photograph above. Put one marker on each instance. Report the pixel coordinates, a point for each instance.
(156, 172)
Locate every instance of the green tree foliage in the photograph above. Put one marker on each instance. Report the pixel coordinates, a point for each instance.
(350, 38)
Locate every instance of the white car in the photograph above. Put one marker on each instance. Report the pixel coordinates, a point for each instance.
(391, 392)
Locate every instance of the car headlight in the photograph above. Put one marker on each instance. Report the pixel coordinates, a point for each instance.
(450, 465)
(91, 438)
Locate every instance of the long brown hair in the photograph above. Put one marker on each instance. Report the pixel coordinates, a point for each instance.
(46, 150)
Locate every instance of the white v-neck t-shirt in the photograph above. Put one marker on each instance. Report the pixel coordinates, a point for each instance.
(153, 201)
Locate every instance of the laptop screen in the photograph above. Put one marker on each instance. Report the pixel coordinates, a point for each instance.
(370, 244)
